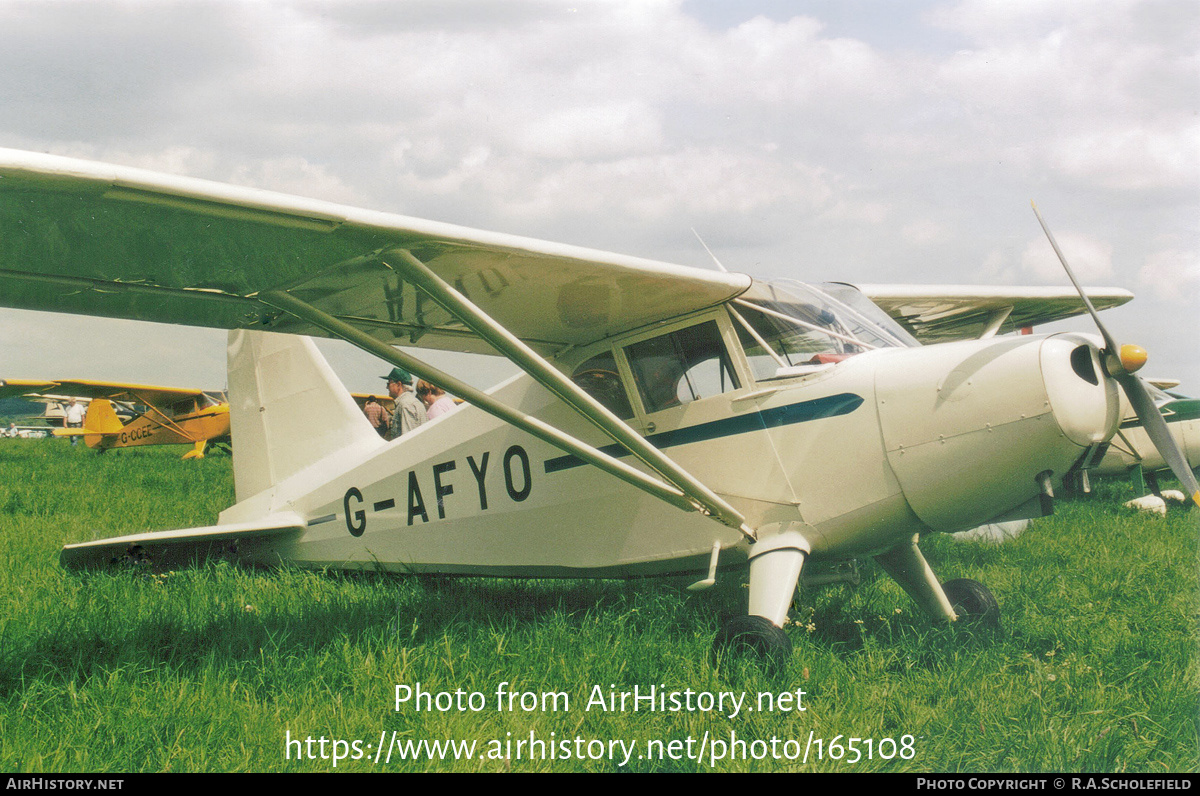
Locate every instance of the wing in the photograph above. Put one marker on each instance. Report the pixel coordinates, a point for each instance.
(385, 401)
(95, 239)
(19, 388)
(940, 313)
(85, 388)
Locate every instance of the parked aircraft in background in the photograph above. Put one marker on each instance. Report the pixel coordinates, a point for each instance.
(946, 313)
(152, 415)
(1132, 452)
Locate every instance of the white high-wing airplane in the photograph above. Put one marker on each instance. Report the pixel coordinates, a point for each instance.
(669, 420)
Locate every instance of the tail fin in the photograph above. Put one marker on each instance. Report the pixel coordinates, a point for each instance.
(288, 410)
(101, 418)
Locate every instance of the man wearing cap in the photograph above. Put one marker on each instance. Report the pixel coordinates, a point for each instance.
(410, 412)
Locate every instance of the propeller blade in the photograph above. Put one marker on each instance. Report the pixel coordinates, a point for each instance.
(1160, 435)
(1121, 362)
(1109, 343)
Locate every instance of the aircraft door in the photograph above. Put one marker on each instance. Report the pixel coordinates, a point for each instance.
(688, 391)
(673, 371)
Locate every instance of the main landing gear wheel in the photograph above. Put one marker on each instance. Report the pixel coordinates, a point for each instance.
(974, 603)
(753, 634)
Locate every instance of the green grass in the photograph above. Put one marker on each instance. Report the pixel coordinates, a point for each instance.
(209, 668)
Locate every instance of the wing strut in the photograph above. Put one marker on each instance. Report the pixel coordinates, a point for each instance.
(167, 422)
(556, 382)
(995, 320)
(668, 492)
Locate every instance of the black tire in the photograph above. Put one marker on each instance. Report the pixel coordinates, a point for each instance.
(756, 635)
(974, 603)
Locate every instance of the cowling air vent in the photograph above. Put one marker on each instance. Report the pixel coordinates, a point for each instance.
(1082, 364)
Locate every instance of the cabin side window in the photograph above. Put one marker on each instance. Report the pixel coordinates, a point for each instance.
(681, 367)
(599, 378)
(184, 407)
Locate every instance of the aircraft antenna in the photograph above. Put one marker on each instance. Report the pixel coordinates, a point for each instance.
(722, 268)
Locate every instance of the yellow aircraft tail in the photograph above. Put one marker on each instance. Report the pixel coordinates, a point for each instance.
(101, 418)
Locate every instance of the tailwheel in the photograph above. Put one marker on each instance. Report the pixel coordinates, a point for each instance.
(974, 603)
(756, 635)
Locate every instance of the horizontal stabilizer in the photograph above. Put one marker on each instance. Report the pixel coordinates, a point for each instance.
(176, 548)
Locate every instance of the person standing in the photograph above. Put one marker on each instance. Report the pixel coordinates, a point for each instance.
(73, 418)
(376, 416)
(435, 399)
(409, 412)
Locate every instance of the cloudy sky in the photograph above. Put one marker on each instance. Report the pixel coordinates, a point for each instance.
(832, 139)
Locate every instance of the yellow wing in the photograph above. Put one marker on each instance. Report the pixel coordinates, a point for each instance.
(385, 401)
(86, 388)
(14, 388)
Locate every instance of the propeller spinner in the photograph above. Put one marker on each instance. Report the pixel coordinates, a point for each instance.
(1121, 362)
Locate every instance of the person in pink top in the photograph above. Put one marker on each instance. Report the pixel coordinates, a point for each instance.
(435, 399)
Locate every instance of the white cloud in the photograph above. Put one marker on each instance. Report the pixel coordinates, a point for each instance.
(924, 231)
(1133, 159)
(1090, 259)
(1173, 276)
(589, 132)
(625, 123)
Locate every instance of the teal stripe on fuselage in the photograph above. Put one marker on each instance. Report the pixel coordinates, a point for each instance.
(829, 406)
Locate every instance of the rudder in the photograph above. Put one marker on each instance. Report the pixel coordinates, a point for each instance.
(101, 418)
(288, 410)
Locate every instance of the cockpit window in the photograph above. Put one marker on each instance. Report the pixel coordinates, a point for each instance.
(770, 343)
(681, 367)
(853, 300)
(792, 324)
(184, 407)
(1159, 396)
(600, 379)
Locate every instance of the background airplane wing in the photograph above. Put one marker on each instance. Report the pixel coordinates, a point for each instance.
(17, 388)
(385, 401)
(95, 239)
(940, 313)
(86, 388)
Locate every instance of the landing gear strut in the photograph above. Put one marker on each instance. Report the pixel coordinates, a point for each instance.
(963, 600)
(775, 564)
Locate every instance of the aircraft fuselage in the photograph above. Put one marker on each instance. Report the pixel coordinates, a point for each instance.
(856, 457)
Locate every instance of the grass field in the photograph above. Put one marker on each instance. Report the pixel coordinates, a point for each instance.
(215, 668)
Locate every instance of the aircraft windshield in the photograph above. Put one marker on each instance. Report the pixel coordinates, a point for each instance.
(1159, 396)
(786, 324)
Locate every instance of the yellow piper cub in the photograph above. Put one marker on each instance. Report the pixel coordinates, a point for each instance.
(668, 420)
(161, 415)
